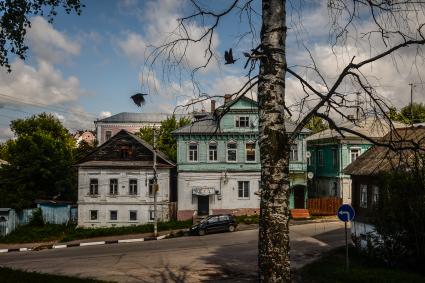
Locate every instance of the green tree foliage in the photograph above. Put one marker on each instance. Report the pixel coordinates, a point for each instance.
(399, 217)
(316, 124)
(405, 114)
(165, 141)
(15, 20)
(82, 149)
(40, 162)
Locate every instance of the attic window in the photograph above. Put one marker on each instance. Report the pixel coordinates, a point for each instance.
(124, 152)
(242, 122)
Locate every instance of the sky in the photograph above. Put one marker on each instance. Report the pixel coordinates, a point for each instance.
(86, 67)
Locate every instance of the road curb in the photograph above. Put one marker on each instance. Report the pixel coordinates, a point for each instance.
(85, 244)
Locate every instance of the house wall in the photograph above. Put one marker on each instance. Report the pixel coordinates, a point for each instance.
(123, 202)
(328, 173)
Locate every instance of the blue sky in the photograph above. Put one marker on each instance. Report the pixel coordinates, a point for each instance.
(85, 67)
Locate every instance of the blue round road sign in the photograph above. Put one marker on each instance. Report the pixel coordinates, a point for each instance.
(346, 213)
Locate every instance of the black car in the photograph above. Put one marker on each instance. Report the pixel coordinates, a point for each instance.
(214, 223)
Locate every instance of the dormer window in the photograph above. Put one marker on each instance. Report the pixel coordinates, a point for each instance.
(242, 122)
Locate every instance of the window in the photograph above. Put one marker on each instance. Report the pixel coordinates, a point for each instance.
(224, 218)
(319, 157)
(108, 135)
(124, 153)
(212, 219)
(113, 186)
(133, 187)
(212, 151)
(113, 215)
(151, 215)
(354, 153)
(151, 187)
(193, 152)
(94, 187)
(293, 153)
(133, 215)
(243, 189)
(93, 214)
(375, 194)
(334, 158)
(250, 151)
(242, 122)
(308, 158)
(231, 151)
(363, 196)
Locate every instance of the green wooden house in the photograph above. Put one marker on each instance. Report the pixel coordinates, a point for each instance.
(218, 162)
(329, 153)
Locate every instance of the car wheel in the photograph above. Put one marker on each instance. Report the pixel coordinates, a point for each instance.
(232, 228)
(201, 232)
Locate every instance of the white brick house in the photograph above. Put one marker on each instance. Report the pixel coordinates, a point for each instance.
(115, 184)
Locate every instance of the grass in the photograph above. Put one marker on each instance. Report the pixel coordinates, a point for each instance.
(64, 233)
(16, 276)
(252, 219)
(331, 268)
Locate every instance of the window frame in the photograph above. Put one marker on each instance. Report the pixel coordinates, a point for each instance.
(294, 149)
(94, 188)
(375, 194)
(238, 121)
(246, 190)
(254, 149)
(358, 149)
(363, 196)
(106, 135)
(129, 215)
(209, 151)
(91, 214)
(235, 149)
(151, 215)
(320, 159)
(111, 189)
(189, 151)
(131, 187)
(116, 215)
(335, 162)
(151, 187)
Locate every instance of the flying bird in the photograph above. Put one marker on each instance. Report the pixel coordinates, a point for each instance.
(228, 57)
(139, 98)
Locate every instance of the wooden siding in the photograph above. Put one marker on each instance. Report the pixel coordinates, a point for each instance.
(324, 206)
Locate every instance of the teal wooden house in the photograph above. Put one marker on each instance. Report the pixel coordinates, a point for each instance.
(218, 162)
(329, 153)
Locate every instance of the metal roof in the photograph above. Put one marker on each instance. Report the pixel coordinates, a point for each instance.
(129, 117)
(380, 159)
(370, 126)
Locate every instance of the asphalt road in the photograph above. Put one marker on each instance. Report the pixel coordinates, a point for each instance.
(230, 257)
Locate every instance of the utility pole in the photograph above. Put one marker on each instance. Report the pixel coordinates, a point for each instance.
(411, 103)
(155, 186)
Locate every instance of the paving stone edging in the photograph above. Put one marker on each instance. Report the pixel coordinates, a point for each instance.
(64, 246)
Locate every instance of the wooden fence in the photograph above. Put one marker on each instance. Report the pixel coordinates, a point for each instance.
(323, 206)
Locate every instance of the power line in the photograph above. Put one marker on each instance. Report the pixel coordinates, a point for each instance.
(51, 108)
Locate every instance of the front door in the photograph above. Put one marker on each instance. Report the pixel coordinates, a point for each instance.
(203, 205)
(299, 197)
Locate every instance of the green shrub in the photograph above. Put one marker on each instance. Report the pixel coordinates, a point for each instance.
(36, 219)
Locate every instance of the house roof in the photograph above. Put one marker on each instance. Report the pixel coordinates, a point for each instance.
(209, 124)
(129, 117)
(369, 126)
(379, 159)
(86, 162)
(53, 202)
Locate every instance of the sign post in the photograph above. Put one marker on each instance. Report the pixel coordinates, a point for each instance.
(346, 213)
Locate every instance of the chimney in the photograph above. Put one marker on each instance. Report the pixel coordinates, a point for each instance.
(227, 98)
(212, 106)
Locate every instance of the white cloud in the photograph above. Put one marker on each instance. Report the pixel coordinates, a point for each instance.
(5, 134)
(105, 114)
(159, 20)
(48, 44)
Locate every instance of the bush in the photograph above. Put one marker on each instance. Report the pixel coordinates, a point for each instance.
(36, 219)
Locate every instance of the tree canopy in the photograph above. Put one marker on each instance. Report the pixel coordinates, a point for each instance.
(40, 162)
(15, 21)
(165, 140)
(405, 113)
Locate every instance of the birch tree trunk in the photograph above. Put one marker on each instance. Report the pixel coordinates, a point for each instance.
(273, 244)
